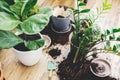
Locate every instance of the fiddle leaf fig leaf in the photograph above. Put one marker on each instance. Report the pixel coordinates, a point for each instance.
(36, 44)
(19, 6)
(4, 6)
(8, 22)
(35, 24)
(8, 39)
(30, 4)
(45, 10)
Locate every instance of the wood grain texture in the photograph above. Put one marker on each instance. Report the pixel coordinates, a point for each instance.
(14, 70)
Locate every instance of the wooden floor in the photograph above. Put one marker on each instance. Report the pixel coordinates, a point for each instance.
(12, 68)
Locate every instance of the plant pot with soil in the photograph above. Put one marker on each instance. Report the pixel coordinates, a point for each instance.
(60, 19)
(85, 35)
(28, 20)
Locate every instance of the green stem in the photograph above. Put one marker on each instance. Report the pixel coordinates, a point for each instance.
(77, 52)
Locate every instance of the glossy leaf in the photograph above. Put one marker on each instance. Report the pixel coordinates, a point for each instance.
(108, 44)
(85, 11)
(114, 48)
(4, 6)
(45, 10)
(36, 44)
(19, 6)
(28, 6)
(118, 38)
(35, 24)
(8, 22)
(82, 4)
(107, 31)
(111, 38)
(8, 39)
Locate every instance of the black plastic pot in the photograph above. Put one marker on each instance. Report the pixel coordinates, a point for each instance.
(60, 24)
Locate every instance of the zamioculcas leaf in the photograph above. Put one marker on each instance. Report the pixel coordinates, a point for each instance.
(118, 38)
(85, 11)
(36, 44)
(115, 30)
(111, 37)
(107, 31)
(114, 48)
(8, 22)
(82, 4)
(35, 24)
(107, 44)
(8, 39)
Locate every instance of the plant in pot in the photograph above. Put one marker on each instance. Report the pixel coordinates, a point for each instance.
(28, 20)
(85, 35)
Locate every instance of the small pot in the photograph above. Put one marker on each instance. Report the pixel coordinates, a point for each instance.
(60, 19)
(1, 73)
(100, 67)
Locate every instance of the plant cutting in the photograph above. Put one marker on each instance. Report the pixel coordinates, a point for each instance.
(28, 20)
(86, 34)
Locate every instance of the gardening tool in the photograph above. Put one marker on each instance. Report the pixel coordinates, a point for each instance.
(51, 67)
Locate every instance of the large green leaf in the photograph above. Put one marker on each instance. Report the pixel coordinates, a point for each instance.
(7, 22)
(35, 24)
(8, 39)
(45, 10)
(36, 44)
(28, 6)
(5, 7)
(19, 6)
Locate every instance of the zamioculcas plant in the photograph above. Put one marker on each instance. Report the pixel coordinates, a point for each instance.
(86, 34)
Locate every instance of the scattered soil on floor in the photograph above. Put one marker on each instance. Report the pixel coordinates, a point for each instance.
(54, 53)
(79, 71)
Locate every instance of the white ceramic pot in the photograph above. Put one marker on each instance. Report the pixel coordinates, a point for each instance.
(28, 58)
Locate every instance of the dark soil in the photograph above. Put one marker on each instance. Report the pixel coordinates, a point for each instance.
(80, 71)
(97, 69)
(67, 70)
(21, 46)
(61, 38)
(54, 53)
(30, 37)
